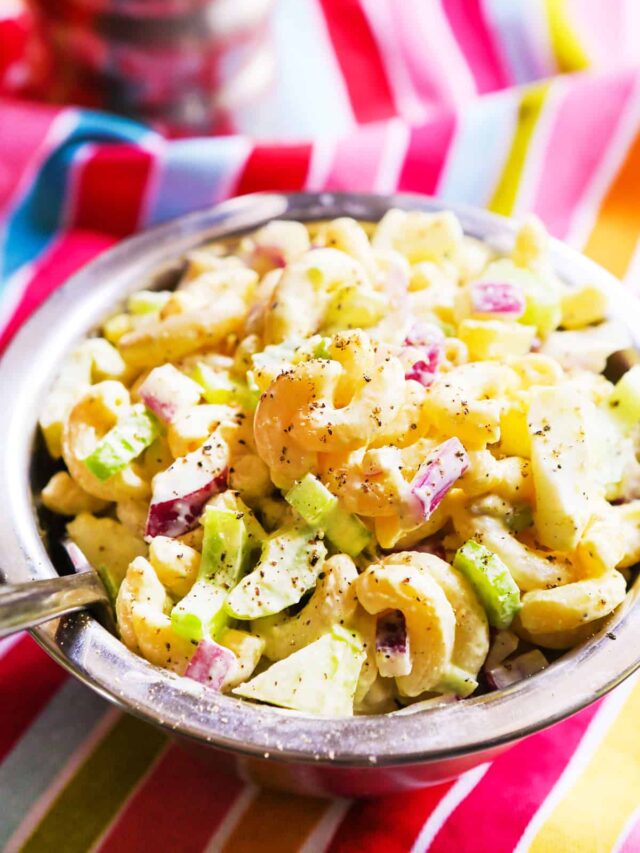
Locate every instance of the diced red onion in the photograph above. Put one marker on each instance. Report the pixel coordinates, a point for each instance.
(166, 392)
(517, 669)
(272, 256)
(504, 644)
(437, 475)
(425, 368)
(492, 297)
(180, 492)
(212, 664)
(392, 645)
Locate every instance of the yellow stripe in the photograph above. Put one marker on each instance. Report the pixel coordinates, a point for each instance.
(275, 823)
(567, 50)
(593, 813)
(531, 104)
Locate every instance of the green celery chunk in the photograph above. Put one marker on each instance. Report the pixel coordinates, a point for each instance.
(458, 681)
(148, 301)
(124, 443)
(625, 399)
(225, 555)
(320, 678)
(491, 580)
(201, 612)
(291, 560)
(219, 388)
(110, 581)
(355, 307)
(314, 502)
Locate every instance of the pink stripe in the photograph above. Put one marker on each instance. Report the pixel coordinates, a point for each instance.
(435, 63)
(426, 154)
(631, 842)
(178, 807)
(20, 147)
(470, 29)
(357, 159)
(516, 785)
(63, 257)
(578, 141)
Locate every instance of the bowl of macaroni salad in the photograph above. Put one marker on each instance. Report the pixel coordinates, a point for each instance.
(358, 473)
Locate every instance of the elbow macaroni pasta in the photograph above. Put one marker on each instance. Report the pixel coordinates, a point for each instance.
(352, 354)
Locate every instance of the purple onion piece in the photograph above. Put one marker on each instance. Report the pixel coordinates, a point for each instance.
(425, 368)
(392, 645)
(180, 492)
(517, 669)
(437, 475)
(492, 297)
(211, 664)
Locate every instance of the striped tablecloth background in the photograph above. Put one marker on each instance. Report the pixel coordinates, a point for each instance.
(516, 105)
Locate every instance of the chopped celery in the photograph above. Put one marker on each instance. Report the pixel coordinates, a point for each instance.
(122, 444)
(354, 306)
(110, 581)
(225, 552)
(320, 678)
(148, 301)
(491, 580)
(458, 681)
(519, 518)
(219, 388)
(201, 612)
(291, 560)
(225, 547)
(625, 399)
(318, 507)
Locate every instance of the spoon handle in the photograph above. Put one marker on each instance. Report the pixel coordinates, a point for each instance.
(24, 605)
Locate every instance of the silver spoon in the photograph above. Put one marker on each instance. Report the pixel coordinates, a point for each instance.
(25, 605)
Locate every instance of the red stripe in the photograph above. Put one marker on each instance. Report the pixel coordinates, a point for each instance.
(62, 259)
(275, 167)
(390, 823)
(29, 125)
(178, 807)
(360, 60)
(111, 189)
(476, 42)
(426, 154)
(28, 680)
(515, 785)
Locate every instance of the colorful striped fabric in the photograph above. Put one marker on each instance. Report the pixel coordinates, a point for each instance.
(485, 102)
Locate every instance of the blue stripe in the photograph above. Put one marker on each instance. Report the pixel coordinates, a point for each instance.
(510, 18)
(34, 762)
(32, 224)
(195, 174)
(479, 149)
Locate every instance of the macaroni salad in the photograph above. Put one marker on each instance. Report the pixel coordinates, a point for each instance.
(346, 468)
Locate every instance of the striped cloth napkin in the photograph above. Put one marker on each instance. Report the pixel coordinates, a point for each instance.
(517, 105)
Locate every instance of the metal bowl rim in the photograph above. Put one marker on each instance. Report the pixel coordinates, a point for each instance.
(85, 649)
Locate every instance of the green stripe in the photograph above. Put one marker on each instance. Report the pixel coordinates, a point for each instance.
(90, 800)
(531, 104)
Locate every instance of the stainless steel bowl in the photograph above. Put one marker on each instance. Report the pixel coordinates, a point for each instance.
(352, 756)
